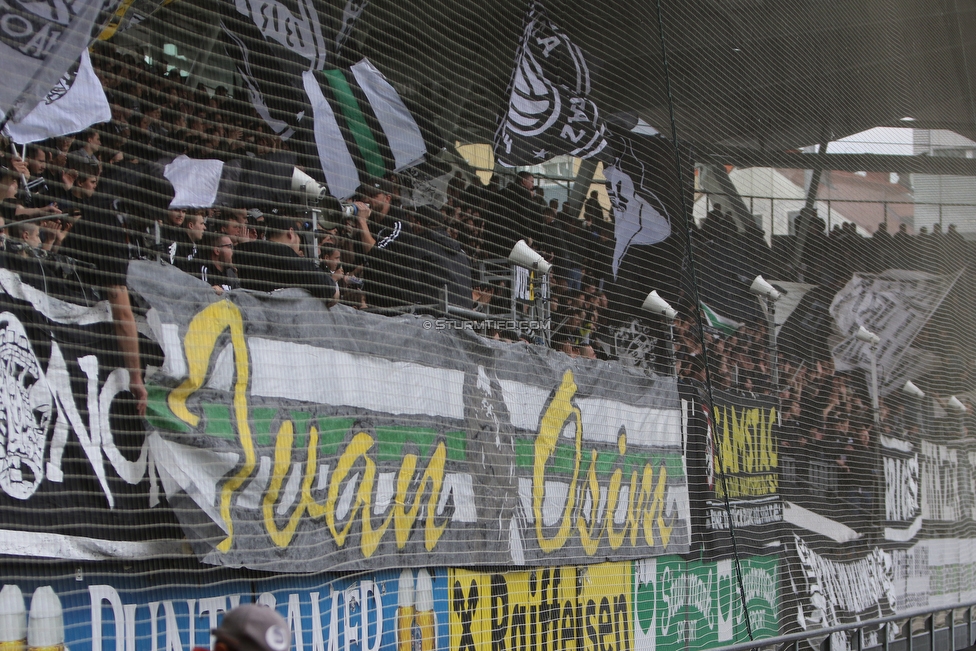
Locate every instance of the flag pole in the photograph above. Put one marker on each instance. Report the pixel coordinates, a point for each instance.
(23, 179)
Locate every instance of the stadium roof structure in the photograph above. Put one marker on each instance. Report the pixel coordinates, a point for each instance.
(752, 81)
(764, 75)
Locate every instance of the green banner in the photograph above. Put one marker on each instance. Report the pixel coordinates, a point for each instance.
(680, 604)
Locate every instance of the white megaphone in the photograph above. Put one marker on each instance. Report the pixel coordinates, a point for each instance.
(657, 305)
(762, 288)
(956, 404)
(306, 187)
(868, 337)
(913, 390)
(523, 255)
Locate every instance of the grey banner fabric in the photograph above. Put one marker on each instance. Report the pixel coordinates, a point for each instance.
(895, 305)
(286, 456)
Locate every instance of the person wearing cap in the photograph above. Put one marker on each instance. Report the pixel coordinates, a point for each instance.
(276, 263)
(381, 215)
(395, 274)
(252, 627)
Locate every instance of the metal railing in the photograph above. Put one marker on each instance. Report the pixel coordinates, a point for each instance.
(795, 203)
(929, 637)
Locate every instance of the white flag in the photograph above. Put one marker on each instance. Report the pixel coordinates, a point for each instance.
(195, 181)
(49, 37)
(76, 102)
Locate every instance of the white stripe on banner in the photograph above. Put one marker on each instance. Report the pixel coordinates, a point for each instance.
(340, 170)
(807, 519)
(401, 130)
(57, 310)
(353, 380)
(602, 418)
(79, 548)
(82, 105)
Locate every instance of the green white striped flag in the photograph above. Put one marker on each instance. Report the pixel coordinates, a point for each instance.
(362, 127)
(723, 324)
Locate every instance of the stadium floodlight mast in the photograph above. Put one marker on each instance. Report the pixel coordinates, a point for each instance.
(768, 295)
(657, 305)
(872, 340)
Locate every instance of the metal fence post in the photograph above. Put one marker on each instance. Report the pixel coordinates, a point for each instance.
(969, 625)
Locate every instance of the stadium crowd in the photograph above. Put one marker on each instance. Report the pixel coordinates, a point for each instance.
(62, 199)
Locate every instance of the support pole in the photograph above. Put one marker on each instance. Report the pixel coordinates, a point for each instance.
(581, 186)
(731, 197)
(808, 207)
(769, 310)
(875, 402)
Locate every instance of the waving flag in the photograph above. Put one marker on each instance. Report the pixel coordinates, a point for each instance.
(549, 113)
(271, 54)
(362, 127)
(76, 102)
(49, 38)
(649, 244)
(643, 188)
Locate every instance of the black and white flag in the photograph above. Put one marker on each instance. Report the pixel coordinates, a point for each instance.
(549, 112)
(649, 247)
(76, 102)
(39, 41)
(273, 42)
(645, 200)
(895, 305)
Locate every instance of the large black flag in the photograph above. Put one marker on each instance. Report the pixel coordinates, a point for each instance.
(649, 224)
(549, 112)
(272, 54)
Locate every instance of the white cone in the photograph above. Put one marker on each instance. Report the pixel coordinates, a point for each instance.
(45, 628)
(524, 255)
(13, 617)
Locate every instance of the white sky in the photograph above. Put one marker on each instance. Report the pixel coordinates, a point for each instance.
(879, 140)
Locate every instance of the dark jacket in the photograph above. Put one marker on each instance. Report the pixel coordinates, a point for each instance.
(448, 264)
(396, 272)
(266, 266)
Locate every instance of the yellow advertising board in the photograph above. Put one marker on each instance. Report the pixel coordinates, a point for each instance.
(548, 609)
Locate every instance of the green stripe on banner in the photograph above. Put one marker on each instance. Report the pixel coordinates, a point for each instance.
(158, 412)
(563, 457)
(356, 122)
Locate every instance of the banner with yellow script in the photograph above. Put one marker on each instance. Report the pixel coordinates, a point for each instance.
(291, 437)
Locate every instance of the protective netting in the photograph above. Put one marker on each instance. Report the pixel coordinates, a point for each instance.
(485, 327)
